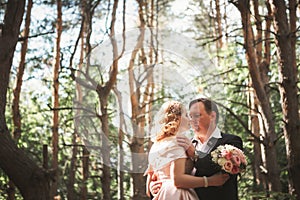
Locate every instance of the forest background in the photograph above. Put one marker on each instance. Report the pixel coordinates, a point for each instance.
(80, 82)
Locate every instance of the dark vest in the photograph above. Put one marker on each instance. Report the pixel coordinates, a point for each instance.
(205, 167)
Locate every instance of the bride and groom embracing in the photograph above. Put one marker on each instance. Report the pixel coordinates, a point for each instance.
(182, 168)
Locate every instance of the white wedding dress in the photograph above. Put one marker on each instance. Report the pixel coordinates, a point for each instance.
(161, 155)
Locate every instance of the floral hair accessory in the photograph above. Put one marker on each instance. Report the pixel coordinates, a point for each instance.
(231, 159)
(175, 108)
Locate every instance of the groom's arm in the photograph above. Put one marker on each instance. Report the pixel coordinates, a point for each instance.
(153, 186)
(236, 141)
(148, 184)
(191, 152)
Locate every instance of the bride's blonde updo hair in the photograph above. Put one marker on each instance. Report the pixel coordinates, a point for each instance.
(170, 120)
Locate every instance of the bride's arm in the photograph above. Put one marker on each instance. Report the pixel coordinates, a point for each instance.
(182, 180)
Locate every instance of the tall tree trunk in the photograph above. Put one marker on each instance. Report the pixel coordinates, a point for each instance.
(13, 161)
(136, 141)
(140, 103)
(257, 164)
(262, 95)
(19, 78)
(225, 26)
(121, 130)
(285, 29)
(85, 173)
(103, 94)
(81, 37)
(16, 115)
(87, 12)
(122, 124)
(55, 99)
(218, 25)
(71, 192)
(263, 61)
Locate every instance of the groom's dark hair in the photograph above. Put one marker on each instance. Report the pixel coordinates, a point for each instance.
(209, 106)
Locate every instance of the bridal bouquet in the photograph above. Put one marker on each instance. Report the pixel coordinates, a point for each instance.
(231, 159)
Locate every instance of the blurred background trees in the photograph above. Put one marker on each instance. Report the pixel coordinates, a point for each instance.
(82, 80)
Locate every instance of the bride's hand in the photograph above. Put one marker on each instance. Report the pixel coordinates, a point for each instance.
(183, 141)
(186, 143)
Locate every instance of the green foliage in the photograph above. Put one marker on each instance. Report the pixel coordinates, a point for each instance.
(231, 77)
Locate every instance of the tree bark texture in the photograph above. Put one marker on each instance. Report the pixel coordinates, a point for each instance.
(19, 78)
(55, 99)
(72, 176)
(262, 95)
(103, 94)
(17, 91)
(137, 140)
(285, 30)
(85, 174)
(13, 161)
(218, 26)
(258, 176)
(122, 128)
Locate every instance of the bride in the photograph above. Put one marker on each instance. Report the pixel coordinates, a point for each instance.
(168, 161)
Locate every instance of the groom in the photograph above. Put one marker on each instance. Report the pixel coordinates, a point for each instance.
(204, 116)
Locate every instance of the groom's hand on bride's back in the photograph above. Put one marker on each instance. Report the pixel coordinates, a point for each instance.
(155, 185)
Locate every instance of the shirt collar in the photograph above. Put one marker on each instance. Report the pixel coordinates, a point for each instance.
(215, 134)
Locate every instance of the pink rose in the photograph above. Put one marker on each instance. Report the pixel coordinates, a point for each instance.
(235, 170)
(228, 166)
(226, 154)
(236, 160)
